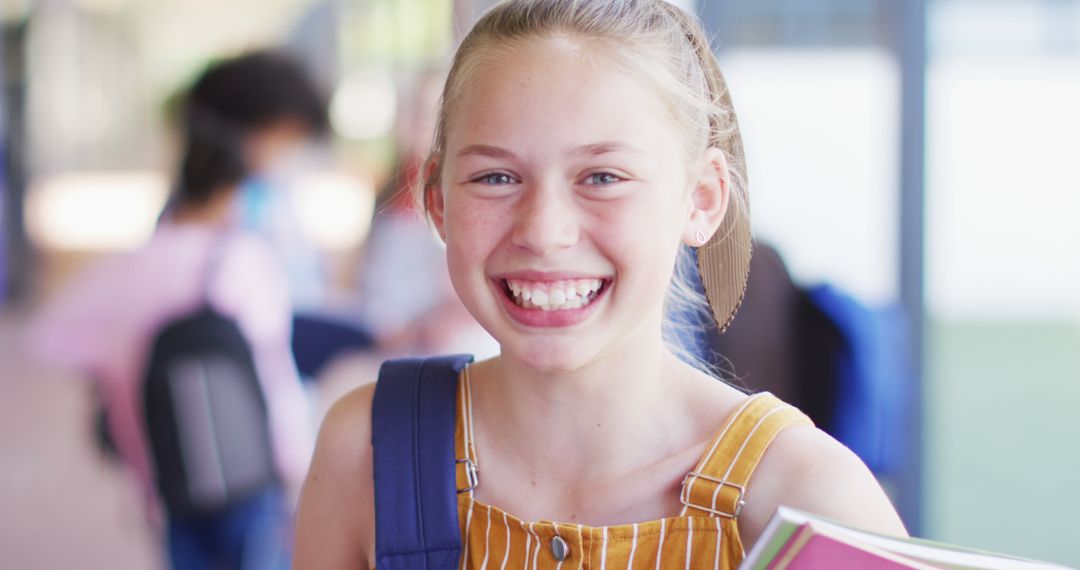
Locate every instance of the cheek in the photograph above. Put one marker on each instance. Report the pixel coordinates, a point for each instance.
(643, 244)
(473, 231)
(647, 228)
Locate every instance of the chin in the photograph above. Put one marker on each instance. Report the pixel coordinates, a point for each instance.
(554, 357)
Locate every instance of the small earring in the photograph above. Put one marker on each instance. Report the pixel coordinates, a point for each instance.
(701, 239)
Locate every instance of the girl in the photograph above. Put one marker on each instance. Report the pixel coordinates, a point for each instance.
(581, 145)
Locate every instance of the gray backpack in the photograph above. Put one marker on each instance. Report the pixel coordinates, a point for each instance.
(206, 414)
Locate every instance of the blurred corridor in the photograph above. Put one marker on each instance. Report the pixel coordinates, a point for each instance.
(65, 505)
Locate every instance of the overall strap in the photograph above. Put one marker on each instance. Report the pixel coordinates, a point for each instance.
(464, 444)
(717, 485)
(412, 421)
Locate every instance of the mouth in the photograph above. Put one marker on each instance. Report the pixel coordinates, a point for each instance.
(549, 296)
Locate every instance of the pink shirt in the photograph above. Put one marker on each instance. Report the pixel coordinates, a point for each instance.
(104, 321)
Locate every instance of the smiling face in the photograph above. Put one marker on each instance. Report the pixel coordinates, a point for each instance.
(563, 201)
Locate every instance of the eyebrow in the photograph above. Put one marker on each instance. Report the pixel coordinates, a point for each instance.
(485, 150)
(593, 149)
(605, 147)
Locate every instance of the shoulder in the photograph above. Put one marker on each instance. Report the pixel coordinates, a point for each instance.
(347, 426)
(335, 520)
(806, 469)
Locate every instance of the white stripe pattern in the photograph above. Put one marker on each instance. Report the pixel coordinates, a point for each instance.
(719, 539)
(528, 546)
(581, 546)
(468, 525)
(689, 540)
(750, 436)
(603, 552)
(506, 556)
(633, 548)
(487, 541)
(660, 546)
(539, 544)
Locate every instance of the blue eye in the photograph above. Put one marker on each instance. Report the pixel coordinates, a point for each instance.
(602, 179)
(495, 179)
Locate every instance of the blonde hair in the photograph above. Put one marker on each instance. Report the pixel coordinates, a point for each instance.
(653, 41)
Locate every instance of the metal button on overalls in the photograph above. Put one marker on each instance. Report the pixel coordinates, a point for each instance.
(559, 549)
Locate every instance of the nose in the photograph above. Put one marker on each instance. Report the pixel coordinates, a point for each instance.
(546, 219)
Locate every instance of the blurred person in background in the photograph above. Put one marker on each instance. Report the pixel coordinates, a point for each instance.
(238, 118)
(406, 300)
(274, 101)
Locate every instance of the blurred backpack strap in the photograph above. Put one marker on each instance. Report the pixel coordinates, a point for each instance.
(412, 421)
(215, 258)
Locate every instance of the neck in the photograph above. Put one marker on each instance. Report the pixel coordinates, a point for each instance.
(613, 415)
(215, 211)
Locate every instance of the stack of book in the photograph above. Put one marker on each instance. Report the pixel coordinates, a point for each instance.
(794, 540)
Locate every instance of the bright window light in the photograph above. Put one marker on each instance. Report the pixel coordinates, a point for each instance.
(821, 131)
(1002, 200)
(363, 106)
(95, 211)
(333, 209)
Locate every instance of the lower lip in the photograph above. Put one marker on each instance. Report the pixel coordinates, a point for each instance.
(542, 318)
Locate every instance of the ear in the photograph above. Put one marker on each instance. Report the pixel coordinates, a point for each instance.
(709, 198)
(434, 201)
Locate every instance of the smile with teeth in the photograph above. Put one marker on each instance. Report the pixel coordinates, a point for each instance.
(554, 296)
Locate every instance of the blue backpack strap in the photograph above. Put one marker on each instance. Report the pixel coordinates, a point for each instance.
(412, 421)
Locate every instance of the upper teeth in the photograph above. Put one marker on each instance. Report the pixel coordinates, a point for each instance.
(566, 294)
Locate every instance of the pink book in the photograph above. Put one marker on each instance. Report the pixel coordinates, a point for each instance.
(811, 548)
(794, 540)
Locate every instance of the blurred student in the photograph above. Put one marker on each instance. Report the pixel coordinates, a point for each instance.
(144, 325)
(276, 104)
(405, 297)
